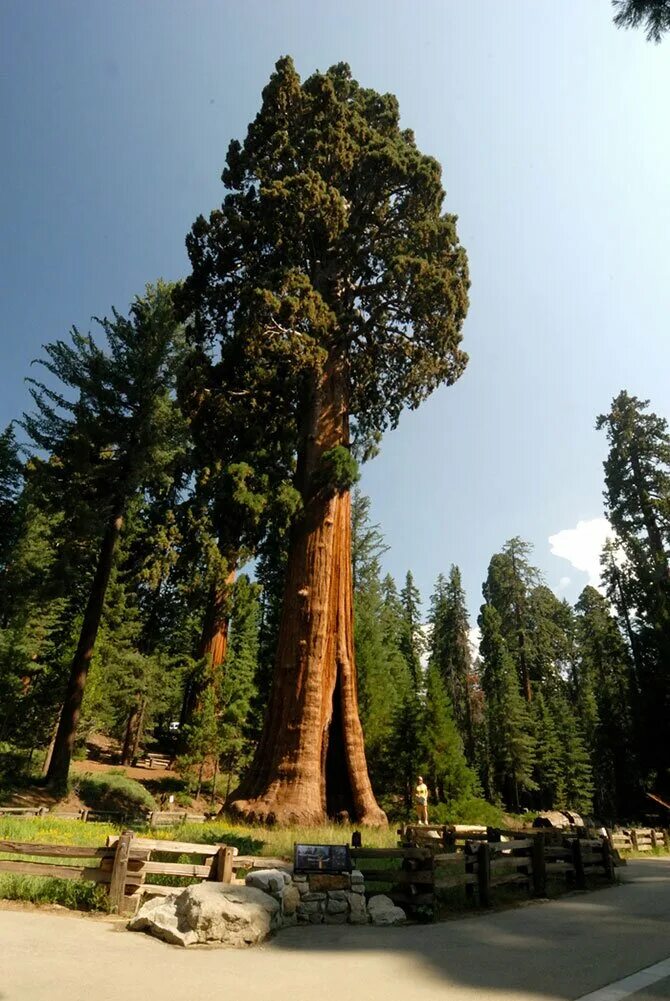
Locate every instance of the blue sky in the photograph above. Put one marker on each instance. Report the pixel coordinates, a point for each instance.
(553, 132)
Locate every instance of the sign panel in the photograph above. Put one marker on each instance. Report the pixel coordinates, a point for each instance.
(322, 858)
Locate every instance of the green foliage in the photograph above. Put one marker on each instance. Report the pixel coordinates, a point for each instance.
(637, 479)
(446, 768)
(338, 470)
(449, 652)
(113, 792)
(467, 810)
(78, 896)
(510, 742)
(653, 15)
(238, 687)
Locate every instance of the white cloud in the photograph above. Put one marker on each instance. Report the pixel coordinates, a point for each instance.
(563, 583)
(582, 546)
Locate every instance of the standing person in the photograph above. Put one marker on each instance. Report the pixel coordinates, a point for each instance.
(421, 799)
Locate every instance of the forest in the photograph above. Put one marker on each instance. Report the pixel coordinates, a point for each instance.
(186, 561)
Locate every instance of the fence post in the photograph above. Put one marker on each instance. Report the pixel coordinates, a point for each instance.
(580, 878)
(539, 866)
(653, 838)
(608, 861)
(117, 886)
(222, 865)
(633, 837)
(484, 874)
(666, 838)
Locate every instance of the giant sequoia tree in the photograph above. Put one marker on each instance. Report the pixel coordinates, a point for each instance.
(334, 287)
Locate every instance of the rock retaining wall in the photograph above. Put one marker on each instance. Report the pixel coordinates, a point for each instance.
(236, 915)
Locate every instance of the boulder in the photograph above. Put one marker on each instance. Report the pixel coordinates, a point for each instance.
(211, 912)
(383, 911)
(268, 880)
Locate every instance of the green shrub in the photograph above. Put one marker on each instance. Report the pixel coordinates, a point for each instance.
(114, 792)
(469, 810)
(80, 896)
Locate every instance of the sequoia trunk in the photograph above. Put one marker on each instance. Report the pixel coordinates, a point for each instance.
(66, 733)
(213, 645)
(310, 761)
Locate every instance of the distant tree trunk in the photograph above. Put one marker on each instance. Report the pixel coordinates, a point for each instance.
(310, 760)
(213, 644)
(66, 733)
(133, 733)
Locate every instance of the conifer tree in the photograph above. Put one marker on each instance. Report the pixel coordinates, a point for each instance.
(447, 770)
(412, 640)
(605, 702)
(335, 288)
(637, 495)
(449, 650)
(383, 673)
(238, 685)
(654, 15)
(511, 745)
(510, 579)
(113, 430)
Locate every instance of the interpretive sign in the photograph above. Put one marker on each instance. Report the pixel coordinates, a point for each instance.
(322, 858)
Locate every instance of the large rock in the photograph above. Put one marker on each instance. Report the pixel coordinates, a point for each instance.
(211, 912)
(268, 880)
(383, 911)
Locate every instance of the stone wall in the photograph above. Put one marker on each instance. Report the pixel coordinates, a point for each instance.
(271, 899)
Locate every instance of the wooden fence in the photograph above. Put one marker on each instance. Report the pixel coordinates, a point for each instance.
(154, 818)
(125, 864)
(639, 839)
(414, 876)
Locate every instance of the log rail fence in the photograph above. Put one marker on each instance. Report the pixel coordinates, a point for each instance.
(413, 874)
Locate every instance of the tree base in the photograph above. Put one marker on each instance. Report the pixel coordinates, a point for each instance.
(271, 813)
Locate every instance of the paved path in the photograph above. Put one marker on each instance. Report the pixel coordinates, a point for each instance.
(560, 950)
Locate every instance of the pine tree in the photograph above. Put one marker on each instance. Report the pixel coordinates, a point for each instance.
(383, 674)
(117, 437)
(576, 778)
(511, 745)
(654, 15)
(412, 640)
(637, 495)
(449, 650)
(238, 687)
(605, 702)
(336, 289)
(509, 582)
(446, 768)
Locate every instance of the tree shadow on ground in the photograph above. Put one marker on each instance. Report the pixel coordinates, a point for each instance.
(559, 949)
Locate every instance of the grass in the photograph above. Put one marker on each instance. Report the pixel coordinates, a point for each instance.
(79, 895)
(90, 896)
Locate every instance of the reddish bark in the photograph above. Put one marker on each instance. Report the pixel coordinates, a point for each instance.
(310, 761)
(213, 645)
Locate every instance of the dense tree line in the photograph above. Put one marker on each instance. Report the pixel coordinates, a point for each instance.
(183, 557)
(558, 706)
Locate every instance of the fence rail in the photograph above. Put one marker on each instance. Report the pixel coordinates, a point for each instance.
(154, 818)
(414, 875)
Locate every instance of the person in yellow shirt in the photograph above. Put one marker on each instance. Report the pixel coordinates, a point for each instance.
(421, 800)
